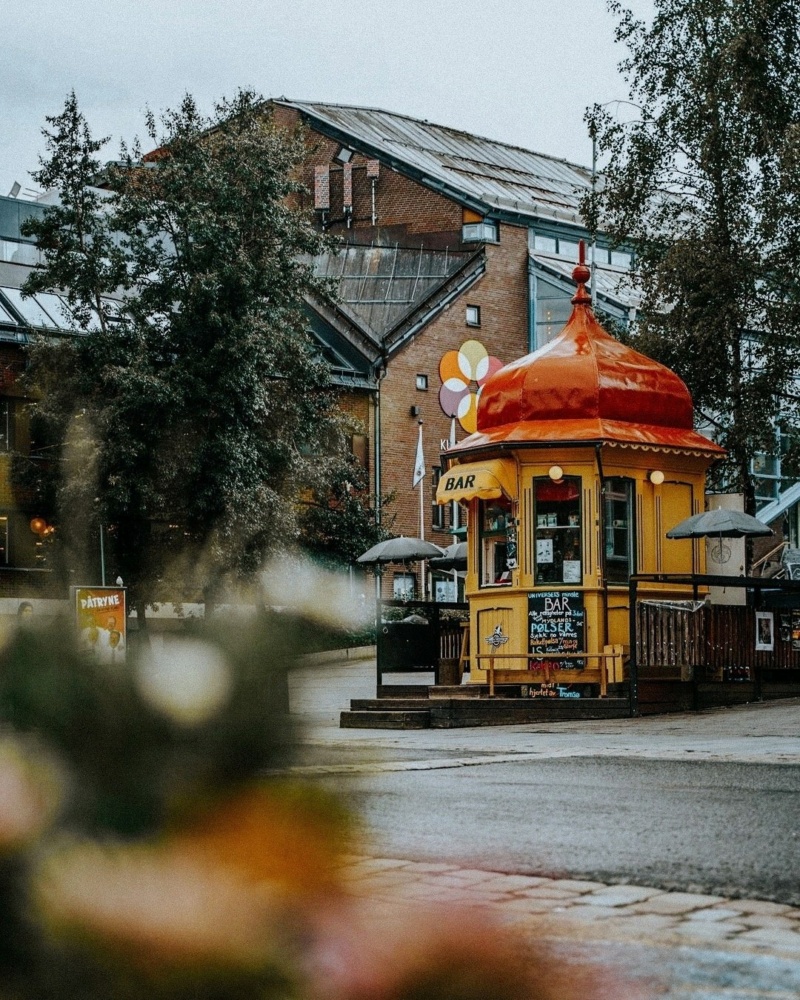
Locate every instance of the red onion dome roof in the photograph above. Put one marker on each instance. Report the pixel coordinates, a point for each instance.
(585, 385)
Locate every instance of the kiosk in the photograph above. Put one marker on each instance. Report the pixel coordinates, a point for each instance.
(584, 457)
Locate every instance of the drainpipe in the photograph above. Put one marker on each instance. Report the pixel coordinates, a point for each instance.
(380, 373)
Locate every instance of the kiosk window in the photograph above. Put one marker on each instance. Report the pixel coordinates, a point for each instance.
(557, 532)
(618, 499)
(495, 522)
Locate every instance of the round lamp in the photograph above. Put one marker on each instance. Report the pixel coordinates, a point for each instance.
(656, 477)
(556, 473)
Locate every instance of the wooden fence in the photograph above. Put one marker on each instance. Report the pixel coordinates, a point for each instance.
(690, 639)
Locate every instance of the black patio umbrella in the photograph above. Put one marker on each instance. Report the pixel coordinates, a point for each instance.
(399, 550)
(455, 557)
(720, 523)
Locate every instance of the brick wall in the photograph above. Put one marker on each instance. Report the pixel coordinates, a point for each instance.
(407, 212)
(411, 214)
(502, 297)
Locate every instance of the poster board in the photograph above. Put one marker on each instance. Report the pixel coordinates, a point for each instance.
(557, 624)
(765, 631)
(101, 621)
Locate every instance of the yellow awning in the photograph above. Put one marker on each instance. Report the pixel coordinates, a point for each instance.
(485, 480)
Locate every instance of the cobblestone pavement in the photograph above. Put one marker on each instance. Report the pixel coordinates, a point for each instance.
(697, 947)
(675, 945)
(558, 908)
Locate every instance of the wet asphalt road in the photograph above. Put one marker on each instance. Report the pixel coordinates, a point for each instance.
(722, 828)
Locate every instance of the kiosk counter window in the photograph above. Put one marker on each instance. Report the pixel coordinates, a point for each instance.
(495, 523)
(557, 530)
(618, 521)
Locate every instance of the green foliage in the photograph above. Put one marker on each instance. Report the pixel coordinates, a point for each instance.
(704, 183)
(338, 523)
(191, 423)
(137, 761)
(127, 769)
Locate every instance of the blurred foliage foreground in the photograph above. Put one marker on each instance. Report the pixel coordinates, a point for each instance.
(152, 844)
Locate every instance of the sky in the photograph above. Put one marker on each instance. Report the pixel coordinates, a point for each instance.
(520, 71)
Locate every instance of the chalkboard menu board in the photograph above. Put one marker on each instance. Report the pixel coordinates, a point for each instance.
(556, 624)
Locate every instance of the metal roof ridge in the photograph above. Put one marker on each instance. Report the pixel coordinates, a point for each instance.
(307, 105)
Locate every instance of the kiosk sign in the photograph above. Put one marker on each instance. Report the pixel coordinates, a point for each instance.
(556, 623)
(100, 616)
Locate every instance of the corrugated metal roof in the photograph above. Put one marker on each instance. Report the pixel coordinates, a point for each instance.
(498, 175)
(381, 284)
(612, 283)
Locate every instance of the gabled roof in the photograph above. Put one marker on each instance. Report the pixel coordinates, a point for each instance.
(482, 173)
(383, 297)
(381, 285)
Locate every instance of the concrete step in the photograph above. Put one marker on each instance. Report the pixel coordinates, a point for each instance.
(389, 704)
(457, 713)
(385, 720)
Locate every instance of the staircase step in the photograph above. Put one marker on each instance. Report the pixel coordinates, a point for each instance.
(385, 720)
(388, 704)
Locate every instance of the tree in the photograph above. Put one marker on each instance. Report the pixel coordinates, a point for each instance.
(704, 184)
(337, 524)
(198, 412)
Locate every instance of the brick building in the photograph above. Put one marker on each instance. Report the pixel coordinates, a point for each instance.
(458, 250)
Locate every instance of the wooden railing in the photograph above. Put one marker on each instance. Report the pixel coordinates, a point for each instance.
(610, 668)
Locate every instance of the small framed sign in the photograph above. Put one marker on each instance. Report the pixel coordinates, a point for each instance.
(765, 631)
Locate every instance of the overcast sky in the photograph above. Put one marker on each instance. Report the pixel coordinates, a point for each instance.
(521, 71)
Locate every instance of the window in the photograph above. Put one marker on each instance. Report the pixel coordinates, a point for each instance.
(553, 308)
(4, 540)
(496, 524)
(439, 511)
(557, 535)
(618, 507)
(479, 232)
(359, 449)
(6, 425)
(546, 244)
(422, 382)
(473, 315)
(568, 249)
(403, 585)
(620, 259)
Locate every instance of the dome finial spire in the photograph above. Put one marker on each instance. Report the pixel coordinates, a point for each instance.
(580, 276)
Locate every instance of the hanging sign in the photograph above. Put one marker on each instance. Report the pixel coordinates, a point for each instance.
(100, 617)
(556, 624)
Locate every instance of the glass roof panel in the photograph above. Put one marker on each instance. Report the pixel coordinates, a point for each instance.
(57, 308)
(29, 309)
(5, 315)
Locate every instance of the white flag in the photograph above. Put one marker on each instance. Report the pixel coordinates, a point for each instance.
(419, 461)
